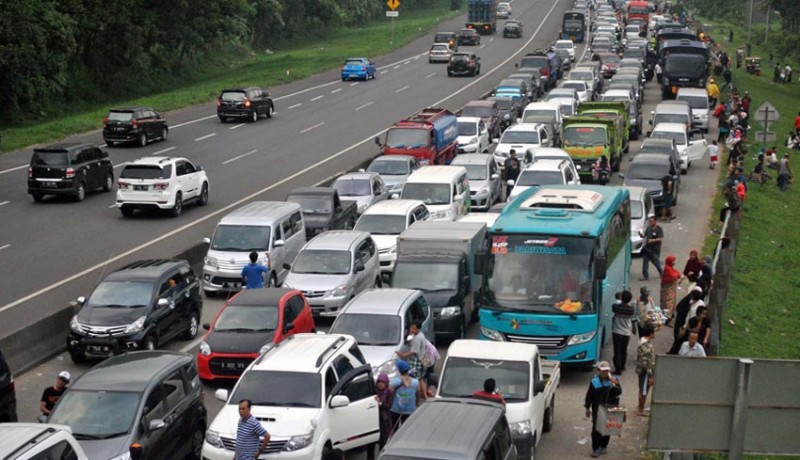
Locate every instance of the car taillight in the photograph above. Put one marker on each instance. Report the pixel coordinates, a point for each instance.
(161, 185)
(30, 173)
(122, 185)
(70, 173)
(485, 27)
(247, 103)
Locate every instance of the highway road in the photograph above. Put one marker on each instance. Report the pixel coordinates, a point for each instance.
(282, 150)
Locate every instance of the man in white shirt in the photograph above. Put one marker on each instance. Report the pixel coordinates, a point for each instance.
(691, 348)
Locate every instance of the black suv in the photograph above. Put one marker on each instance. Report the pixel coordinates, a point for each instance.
(136, 307)
(152, 398)
(512, 29)
(464, 64)
(8, 394)
(469, 37)
(248, 103)
(69, 168)
(140, 125)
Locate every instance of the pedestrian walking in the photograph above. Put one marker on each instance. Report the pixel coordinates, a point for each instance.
(776, 73)
(667, 195)
(51, 395)
(621, 329)
(489, 392)
(691, 348)
(645, 367)
(254, 273)
(697, 302)
(713, 92)
(604, 390)
(414, 351)
(511, 173)
(659, 73)
(713, 155)
(407, 394)
(385, 396)
(670, 278)
(681, 314)
(653, 235)
(706, 274)
(248, 432)
(784, 172)
(693, 266)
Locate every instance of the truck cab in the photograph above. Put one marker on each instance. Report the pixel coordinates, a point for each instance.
(323, 210)
(430, 135)
(586, 139)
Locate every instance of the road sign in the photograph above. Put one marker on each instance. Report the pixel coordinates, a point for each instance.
(767, 113)
(765, 137)
(392, 14)
(393, 4)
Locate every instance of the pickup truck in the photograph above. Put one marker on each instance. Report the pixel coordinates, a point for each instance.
(526, 382)
(36, 441)
(323, 210)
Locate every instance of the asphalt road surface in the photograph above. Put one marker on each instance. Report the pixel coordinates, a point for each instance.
(91, 233)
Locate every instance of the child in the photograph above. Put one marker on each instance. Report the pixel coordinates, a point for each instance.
(713, 151)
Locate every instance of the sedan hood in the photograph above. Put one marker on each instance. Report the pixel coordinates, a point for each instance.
(238, 342)
(392, 181)
(311, 282)
(106, 448)
(114, 316)
(440, 299)
(463, 140)
(651, 185)
(280, 422)
(377, 355)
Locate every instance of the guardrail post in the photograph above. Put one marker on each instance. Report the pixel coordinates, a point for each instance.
(739, 421)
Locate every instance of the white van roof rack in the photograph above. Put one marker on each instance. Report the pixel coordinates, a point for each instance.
(578, 200)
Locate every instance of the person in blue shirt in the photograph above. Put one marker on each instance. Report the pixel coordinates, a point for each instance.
(254, 273)
(407, 394)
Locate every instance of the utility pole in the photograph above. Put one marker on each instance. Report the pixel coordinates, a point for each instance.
(750, 23)
(766, 29)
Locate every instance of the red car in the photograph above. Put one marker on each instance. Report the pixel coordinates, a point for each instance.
(248, 322)
(609, 63)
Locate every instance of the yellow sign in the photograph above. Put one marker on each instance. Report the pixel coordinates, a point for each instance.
(393, 4)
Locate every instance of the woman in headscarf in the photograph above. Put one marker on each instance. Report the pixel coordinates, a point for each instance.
(706, 274)
(669, 286)
(693, 266)
(385, 397)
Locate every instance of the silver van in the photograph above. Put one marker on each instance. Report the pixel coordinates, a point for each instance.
(334, 267)
(274, 227)
(673, 112)
(698, 101)
(484, 179)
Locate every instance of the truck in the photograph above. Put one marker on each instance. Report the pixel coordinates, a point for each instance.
(526, 382)
(610, 110)
(686, 65)
(588, 138)
(429, 135)
(482, 16)
(323, 210)
(638, 10)
(438, 257)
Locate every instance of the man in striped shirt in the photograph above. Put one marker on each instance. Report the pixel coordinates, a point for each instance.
(247, 434)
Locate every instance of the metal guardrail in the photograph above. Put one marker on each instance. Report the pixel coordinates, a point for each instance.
(722, 266)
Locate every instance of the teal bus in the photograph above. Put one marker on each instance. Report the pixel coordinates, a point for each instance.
(556, 257)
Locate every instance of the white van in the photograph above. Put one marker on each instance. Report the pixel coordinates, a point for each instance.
(642, 208)
(443, 189)
(548, 113)
(385, 221)
(274, 227)
(698, 101)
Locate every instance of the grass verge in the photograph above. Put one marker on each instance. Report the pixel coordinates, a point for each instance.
(238, 67)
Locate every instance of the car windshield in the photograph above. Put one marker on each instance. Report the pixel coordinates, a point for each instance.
(232, 96)
(578, 86)
(240, 318)
(377, 224)
(427, 277)
(680, 138)
(520, 137)
(607, 98)
(476, 111)
(467, 128)
(353, 187)
(427, 193)
(695, 102)
(533, 62)
(563, 45)
(96, 414)
(50, 159)
(644, 171)
(534, 178)
(463, 376)
(611, 59)
(241, 238)
(145, 172)
(670, 118)
(121, 294)
(370, 330)
(476, 172)
(279, 389)
(353, 63)
(389, 167)
(322, 262)
(685, 65)
(504, 103)
(539, 116)
(460, 57)
(399, 138)
(312, 204)
(442, 38)
(120, 116)
(637, 209)
(584, 136)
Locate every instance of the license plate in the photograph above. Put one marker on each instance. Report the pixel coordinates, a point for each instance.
(98, 349)
(235, 366)
(141, 188)
(48, 184)
(232, 285)
(119, 128)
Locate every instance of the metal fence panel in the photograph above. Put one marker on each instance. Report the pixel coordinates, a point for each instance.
(773, 422)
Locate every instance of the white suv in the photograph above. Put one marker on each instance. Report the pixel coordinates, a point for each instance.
(161, 182)
(312, 393)
(545, 172)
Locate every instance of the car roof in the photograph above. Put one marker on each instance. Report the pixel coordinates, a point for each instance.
(637, 193)
(670, 127)
(393, 158)
(145, 270)
(513, 351)
(546, 164)
(259, 211)
(259, 297)
(693, 92)
(129, 109)
(336, 240)
(654, 141)
(314, 191)
(469, 119)
(480, 103)
(300, 352)
(18, 438)
(463, 53)
(134, 371)
(357, 59)
(472, 159)
(392, 207)
(581, 82)
(239, 89)
(356, 176)
(542, 105)
(386, 301)
(435, 174)
(524, 127)
(64, 146)
(158, 161)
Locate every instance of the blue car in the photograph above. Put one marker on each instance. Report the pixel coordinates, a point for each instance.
(361, 68)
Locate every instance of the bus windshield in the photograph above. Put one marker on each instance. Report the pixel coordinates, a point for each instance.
(540, 273)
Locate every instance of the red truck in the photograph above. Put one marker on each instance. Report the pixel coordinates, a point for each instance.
(430, 135)
(639, 10)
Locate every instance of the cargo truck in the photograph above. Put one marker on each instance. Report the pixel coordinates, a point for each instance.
(586, 139)
(438, 257)
(482, 16)
(429, 135)
(610, 110)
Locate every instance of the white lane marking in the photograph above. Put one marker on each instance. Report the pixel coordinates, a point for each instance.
(266, 189)
(407, 62)
(193, 121)
(364, 105)
(401, 89)
(240, 156)
(396, 67)
(384, 71)
(482, 46)
(430, 75)
(162, 151)
(336, 90)
(354, 83)
(316, 98)
(191, 344)
(295, 106)
(4, 203)
(13, 169)
(205, 137)
(491, 39)
(4, 246)
(237, 126)
(120, 165)
(112, 206)
(312, 127)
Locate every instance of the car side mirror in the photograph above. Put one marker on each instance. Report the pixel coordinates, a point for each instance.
(378, 141)
(339, 401)
(156, 424)
(361, 170)
(278, 244)
(538, 387)
(206, 240)
(621, 176)
(80, 300)
(162, 303)
(287, 266)
(221, 394)
(360, 266)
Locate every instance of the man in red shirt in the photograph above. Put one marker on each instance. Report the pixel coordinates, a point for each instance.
(797, 123)
(489, 392)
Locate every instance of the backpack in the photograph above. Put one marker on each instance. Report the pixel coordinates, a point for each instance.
(431, 354)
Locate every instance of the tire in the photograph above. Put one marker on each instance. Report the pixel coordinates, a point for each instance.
(126, 210)
(273, 281)
(549, 417)
(108, 184)
(149, 343)
(222, 119)
(202, 200)
(142, 140)
(38, 197)
(198, 437)
(110, 143)
(209, 294)
(177, 208)
(164, 134)
(193, 327)
(77, 357)
(270, 111)
(461, 329)
(326, 449)
(80, 192)
(254, 116)
(378, 284)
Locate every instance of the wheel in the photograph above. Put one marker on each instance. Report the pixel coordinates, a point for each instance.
(149, 343)
(80, 192)
(270, 111)
(142, 139)
(110, 143)
(108, 184)
(449, 74)
(273, 281)
(198, 437)
(461, 332)
(38, 197)
(193, 327)
(177, 208)
(685, 171)
(549, 417)
(326, 450)
(126, 210)
(77, 357)
(222, 119)
(478, 70)
(254, 116)
(203, 200)
(164, 133)
(209, 294)
(377, 283)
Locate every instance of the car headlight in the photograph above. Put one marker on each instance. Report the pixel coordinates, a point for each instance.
(298, 442)
(483, 190)
(451, 311)
(521, 428)
(339, 291)
(205, 348)
(212, 437)
(136, 326)
(491, 334)
(211, 262)
(74, 324)
(125, 456)
(581, 338)
(392, 250)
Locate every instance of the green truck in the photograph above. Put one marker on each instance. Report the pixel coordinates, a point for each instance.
(610, 109)
(586, 138)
